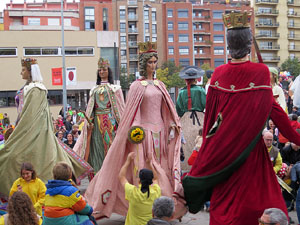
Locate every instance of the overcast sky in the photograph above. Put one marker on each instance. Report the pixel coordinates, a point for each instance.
(3, 2)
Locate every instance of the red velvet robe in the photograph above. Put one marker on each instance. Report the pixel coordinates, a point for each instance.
(242, 94)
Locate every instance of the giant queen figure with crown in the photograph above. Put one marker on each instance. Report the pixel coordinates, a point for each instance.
(150, 128)
(104, 111)
(33, 139)
(233, 169)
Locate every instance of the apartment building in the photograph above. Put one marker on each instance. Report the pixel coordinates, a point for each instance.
(277, 30)
(195, 33)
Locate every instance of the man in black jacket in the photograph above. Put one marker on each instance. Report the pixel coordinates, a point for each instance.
(291, 154)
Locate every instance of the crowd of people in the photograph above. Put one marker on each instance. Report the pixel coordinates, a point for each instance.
(134, 148)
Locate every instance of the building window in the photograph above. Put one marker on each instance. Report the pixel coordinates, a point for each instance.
(7, 98)
(218, 27)
(67, 22)
(183, 26)
(183, 38)
(147, 38)
(122, 28)
(217, 14)
(123, 41)
(171, 50)
(122, 14)
(123, 52)
(34, 21)
(183, 13)
(170, 38)
(55, 97)
(123, 67)
(8, 52)
(89, 18)
(53, 22)
(170, 12)
(56, 51)
(154, 39)
(105, 19)
(218, 38)
(184, 62)
(154, 29)
(146, 14)
(147, 28)
(219, 62)
(170, 25)
(79, 51)
(153, 16)
(183, 50)
(219, 50)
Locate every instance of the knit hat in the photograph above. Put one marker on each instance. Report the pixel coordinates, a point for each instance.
(282, 171)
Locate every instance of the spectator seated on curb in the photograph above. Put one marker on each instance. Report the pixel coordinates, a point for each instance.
(273, 216)
(63, 204)
(162, 211)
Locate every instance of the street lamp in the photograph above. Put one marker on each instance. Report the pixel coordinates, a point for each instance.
(63, 59)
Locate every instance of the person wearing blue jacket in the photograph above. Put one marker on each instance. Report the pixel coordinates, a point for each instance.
(63, 203)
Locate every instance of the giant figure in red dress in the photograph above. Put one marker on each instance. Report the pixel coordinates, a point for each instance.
(233, 169)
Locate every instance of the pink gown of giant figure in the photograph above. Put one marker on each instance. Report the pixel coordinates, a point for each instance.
(149, 106)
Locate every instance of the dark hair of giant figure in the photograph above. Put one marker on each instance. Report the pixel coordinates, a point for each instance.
(239, 42)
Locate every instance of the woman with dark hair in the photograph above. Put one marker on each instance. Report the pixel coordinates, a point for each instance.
(149, 107)
(70, 140)
(140, 198)
(233, 168)
(20, 211)
(105, 109)
(31, 185)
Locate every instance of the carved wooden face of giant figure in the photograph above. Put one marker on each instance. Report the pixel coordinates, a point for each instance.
(25, 73)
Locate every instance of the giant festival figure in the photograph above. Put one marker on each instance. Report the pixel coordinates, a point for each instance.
(233, 169)
(105, 107)
(33, 139)
(150, 115)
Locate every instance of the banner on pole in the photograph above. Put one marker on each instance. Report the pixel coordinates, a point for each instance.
(57, 76)
(71, 76)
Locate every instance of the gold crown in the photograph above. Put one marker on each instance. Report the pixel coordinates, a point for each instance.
(146, 47)
(236, 20)
(103, 63)
(27, 62)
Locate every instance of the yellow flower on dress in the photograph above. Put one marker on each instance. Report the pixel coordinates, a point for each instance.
(136, 134)
(156, 82)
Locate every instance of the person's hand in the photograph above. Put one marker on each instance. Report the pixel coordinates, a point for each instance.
(90, 126)
(130, 156)
(19, 187)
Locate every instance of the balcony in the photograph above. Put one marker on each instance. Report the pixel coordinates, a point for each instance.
(294, 37)
(293, 14)
(201, 31)
(269, 48)
(202, 56)
(295, 48)
(132, 17)
(293, 2)
(266, 2)
(133, 57)
(123, 58)
(267, 36)
(267, 13)
(132, 44)
(293, 25)
(132, 30)
(203, 19)
(271, 59)
(123, 45)
(132, 4)
(202, 43)
(267, 24)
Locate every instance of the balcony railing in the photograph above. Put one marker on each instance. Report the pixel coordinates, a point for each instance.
(294, 47)
(293, 25)
(132, 2)
(267, 24)
(123, 58)
(267, 12)
(292, 13)
(132, 17)
(274, 47)
(132, 43)
(133, 57)
(266, 1)
(132, 30)
(293, 36)
(123, 44)
(293, 2)
(271, 58)
(267, 36)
